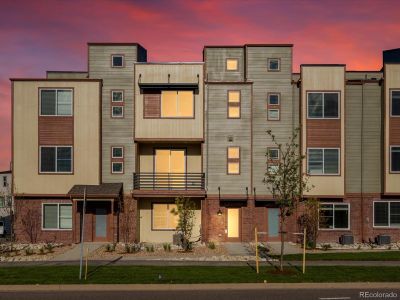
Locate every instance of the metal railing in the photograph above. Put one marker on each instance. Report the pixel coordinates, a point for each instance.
(168, 181)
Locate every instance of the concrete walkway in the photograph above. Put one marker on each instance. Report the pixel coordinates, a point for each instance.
(75, 253)
(237, 249)
(290, 248)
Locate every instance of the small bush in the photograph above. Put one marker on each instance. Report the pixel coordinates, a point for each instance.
(149, 248)
(211, 245)
(49, 247)
(359, 247)
(42, 251)
(110, 247)
(326, 247)
(28, 251)
(167, 247)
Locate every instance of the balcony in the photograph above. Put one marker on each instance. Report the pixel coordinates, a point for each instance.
(169, 183)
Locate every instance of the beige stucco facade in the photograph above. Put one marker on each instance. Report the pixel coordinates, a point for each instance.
(324, 78)
(86, 137)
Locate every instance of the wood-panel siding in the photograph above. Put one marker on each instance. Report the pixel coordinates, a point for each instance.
(152, 104)
(323, 133)
(215, 59)
(56, 130)
(394, 131)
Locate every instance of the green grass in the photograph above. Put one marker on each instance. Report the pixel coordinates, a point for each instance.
(190, 274)
(354, 256)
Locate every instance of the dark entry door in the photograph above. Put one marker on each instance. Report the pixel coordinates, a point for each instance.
(100, 226)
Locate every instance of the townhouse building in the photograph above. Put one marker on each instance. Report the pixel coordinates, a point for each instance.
(133, 135)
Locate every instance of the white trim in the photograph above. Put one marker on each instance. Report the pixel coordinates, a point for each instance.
(279, 64)
(274, 148)
(390, 159)
(115, 147)
(333, 216)
(56, 90)
(323, 105)
(274, 94)
(117, 91)
(390, 103)
(373, 214)
(56, 146)
(58, 217)
(273, 119)
(112, 167)
(117, 55)
(323, 161)
(112, 111)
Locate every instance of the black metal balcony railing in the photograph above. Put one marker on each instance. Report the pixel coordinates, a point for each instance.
(168, 181)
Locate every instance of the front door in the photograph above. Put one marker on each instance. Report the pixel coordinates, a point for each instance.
(233, 224)
(100, 226)
(273, 224)
(170, 166)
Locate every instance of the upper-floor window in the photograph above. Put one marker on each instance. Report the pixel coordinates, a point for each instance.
(117, 111)
(117, 60)
(234, 104)
(273, 153)
(117, 160)
(232, 64)
(387, 214)
(273, 99)
(334, 216)
(323, 105)
(233, 160)
(395, 159)
(323, 161)
(274, 64)
(56, 102)
(273, 160)
(117, 96)
(177, 104)
(273, 114)
(395, 103)
(5, 184)
(57, 216)
(55, 159)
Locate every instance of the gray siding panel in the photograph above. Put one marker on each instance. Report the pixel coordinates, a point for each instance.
(215, 59)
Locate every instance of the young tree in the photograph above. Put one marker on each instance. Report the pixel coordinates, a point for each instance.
(285, 181)
(185, 210)
(310, 220)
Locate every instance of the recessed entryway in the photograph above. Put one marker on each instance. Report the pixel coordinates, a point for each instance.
(273, 224)
(233, 224)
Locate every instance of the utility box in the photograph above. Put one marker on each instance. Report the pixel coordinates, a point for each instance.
(346, 239)
(383, 239)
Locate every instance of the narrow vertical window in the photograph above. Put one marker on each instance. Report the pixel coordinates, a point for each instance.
(117, 160)
(233, 160)
(395, 159)
(234, 104)
(395, 104)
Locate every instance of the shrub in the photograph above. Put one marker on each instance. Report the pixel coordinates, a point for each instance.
(149, 248)
(167, 247)
(326, 247)
(49, 247)
(28, 251)
(41, 251)
(211, 245)
(110, 247)
(132, 248)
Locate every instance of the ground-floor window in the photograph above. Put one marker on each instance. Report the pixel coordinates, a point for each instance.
(387, 213)
(162, 216)
(334, 216)
(57, 216)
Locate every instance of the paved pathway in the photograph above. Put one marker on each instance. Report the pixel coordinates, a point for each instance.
(237, 249)
(75, 253)
(290, 248)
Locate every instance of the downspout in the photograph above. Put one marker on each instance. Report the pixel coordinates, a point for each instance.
(362, 160)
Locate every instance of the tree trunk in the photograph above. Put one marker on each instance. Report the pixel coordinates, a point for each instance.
(282, 243)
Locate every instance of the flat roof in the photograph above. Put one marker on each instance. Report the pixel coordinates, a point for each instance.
(56, 79)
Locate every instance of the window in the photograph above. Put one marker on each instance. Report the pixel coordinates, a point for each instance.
(177, 104)
(2, 201)
(233, 104)
(117, 111)
(273, 114)
(274, 64)
(163, 218)
(273, 99)
(386, 213)
(5, 184)
(273, 157)
(395, 103)
(232, 64)
(323, 105)
(273, 153)
(55, 159)
(334, 216)
(233, 160)
(117, 167)
(395, 159)
(57, 216)
(117, 61)
(55, 102)
(117, 152)
(323, 161)
(117, 160)
(117, 96)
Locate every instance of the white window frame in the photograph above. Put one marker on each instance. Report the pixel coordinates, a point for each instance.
(112, 167)
(117, 55)
(373, 214)
(323, 161)
(58, 217)
(274, 149)
(390, 160)
(279, 64)
(117, 91)
(333, 215)
(56, 146)
(391, 102)
(117, 147)
(56, 90)
(274, 94)
(274, 119)
(116, 116)
(323, 105)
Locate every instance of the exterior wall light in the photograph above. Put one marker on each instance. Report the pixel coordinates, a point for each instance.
(219, 213)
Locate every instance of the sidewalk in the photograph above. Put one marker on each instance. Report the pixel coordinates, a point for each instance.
(75, 253)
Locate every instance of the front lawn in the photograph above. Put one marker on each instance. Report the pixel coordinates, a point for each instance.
(354, 256)
(190, 274)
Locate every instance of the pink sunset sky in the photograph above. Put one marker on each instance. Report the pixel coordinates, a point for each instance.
(52, 35)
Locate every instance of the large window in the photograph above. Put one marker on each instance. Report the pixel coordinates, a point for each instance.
(233, 104)
(55, 102)
(56, 159)
(334, 216)
(395, 103)
(323, 161)
(163, 218)
(395, 159)
(233, 160)
(387, 213)
(232, 64)
(177, 104)
(57, 216)
(323, 105)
